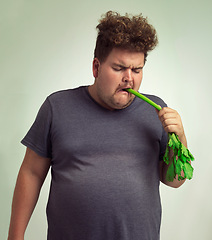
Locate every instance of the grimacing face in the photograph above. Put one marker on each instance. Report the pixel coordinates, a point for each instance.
(121, 69)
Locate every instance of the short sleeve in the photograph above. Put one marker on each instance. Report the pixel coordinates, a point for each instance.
(163, 144)
(38, 137)
(164, 139)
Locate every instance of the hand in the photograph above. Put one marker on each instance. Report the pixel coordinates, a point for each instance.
(172, 122)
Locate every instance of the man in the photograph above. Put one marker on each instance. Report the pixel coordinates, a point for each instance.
(104, 147)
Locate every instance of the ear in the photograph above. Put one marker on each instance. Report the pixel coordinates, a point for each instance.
(96, 65)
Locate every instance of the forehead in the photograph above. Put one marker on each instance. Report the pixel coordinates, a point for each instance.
(125, 57)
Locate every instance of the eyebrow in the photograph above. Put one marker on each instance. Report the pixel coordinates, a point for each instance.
(125, 67)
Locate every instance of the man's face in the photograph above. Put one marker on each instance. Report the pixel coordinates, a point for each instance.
(122, 69)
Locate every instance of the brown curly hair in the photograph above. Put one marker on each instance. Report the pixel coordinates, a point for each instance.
(131, 33)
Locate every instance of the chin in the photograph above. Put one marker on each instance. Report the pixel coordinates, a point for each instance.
(123, 105)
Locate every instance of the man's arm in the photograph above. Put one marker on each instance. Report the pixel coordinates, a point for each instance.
(163, 167)
(172, 123)
(31, 176)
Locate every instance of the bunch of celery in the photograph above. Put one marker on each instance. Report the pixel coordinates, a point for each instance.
(180, 156)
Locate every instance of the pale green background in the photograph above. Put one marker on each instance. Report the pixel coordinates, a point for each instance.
(46, 46)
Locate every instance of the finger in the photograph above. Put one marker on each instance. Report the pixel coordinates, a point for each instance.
(167, 112)
(170, 121)
(172, 129)
(173, 125)
(168, 116)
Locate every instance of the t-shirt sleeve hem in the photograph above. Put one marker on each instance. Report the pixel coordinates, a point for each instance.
(35, 149)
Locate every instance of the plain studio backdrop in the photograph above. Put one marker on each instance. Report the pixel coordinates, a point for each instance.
(47, 46)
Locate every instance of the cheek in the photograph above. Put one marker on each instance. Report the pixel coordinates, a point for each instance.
(110, 79)
(138, 79)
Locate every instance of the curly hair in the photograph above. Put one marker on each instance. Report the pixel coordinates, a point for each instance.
(131, 33)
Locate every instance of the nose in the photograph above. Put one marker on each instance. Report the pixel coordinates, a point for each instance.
(127, 75)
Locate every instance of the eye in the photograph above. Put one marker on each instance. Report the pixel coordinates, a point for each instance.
(118, 69)
(137, 70)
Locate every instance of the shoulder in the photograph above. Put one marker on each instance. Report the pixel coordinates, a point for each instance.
(66, 95)
(156, 99)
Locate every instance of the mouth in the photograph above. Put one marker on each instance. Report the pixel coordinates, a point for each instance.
(124, 89)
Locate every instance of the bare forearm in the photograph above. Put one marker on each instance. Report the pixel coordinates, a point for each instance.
(176, 183)
(29, 182)
(24, 200)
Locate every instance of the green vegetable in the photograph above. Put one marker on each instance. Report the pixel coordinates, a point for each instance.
(180, 162)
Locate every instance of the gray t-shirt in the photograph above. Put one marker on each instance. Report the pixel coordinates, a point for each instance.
(104, 166)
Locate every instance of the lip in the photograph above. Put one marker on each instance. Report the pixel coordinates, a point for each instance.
(122, 89)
